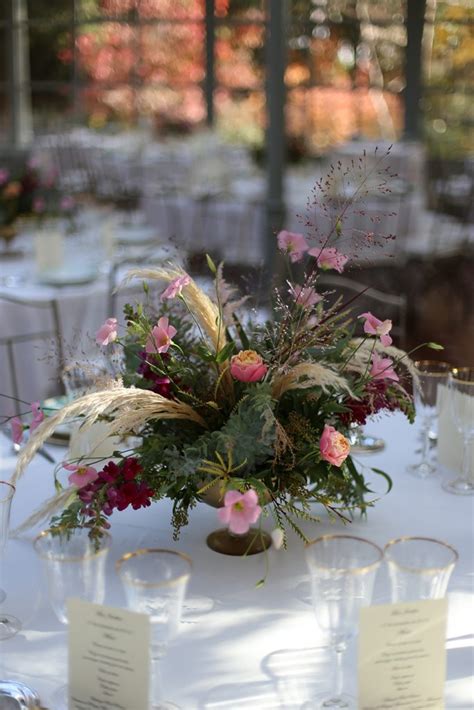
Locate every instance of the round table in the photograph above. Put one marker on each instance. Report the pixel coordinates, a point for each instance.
(242, 646)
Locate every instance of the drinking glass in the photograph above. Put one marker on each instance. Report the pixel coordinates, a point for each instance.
(75, 567)
(342, 569)
(461, 391)
(431, 374)
(362, 443)
(9, 625)
(419, 568)
(155, 581)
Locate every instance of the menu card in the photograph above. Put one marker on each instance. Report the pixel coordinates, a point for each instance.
(109, 657)
(402, 656)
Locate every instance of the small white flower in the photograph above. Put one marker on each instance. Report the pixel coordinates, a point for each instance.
(277, 536)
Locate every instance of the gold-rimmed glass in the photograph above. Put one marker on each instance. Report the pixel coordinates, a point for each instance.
(343, 570)
(74, 565)
(9, 625)
(431, 375)
(461, 397)
(419, 567)
(154, 581)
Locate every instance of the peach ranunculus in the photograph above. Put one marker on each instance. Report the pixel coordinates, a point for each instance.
(248, 366)
(107, 332)
(334, 446)
(329, 258)
(12, 190)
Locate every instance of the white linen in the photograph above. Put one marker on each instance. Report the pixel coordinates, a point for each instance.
(239, 646)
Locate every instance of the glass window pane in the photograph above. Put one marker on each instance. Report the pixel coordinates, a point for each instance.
(172, 53)
(172, 9)
(54, 11)
(106, 52)
(252, 10)
(239, 52)
(240, 118)
(51, 53)
(52, 110)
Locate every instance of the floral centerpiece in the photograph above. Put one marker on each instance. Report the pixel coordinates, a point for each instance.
(250, 414)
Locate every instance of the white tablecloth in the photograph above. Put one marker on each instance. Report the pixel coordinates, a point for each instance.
(242, 647)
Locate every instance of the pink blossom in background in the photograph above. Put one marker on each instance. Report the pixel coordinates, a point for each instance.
(107, 332)
(39, 205)
(175, 287)
(374, 326)
(305, 296)
(4, 175)
(334, 446)
(16, 427)
(34, 162)
(81, 475)
(248, 366)
(161, 337)
(293, 244)
(329, 258)
(382, 368)
(38, 415)
(240, 510)
(67, 203)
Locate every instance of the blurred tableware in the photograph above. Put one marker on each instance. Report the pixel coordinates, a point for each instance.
(343, 570)
(49, 249)
(431, 375)
(70, 274)
(74, 565)
(9, 625)
(362, 443)
(15, 695)
(461, 389)
(419, 568)
(155, 581)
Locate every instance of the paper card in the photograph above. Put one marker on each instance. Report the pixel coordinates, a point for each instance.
(402, 656)
(109, 657)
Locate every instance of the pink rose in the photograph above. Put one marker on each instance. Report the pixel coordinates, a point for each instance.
(334, 446)
(374, 326)
(81, 475)
(329, 258)
(38, 415)
(382, 368)
(107, 332)
(67, 203)
(160, 339)
(293, 244)
(175, 287)
(305, 296)
(16, 427)
(240, 510)
(4, 175)
(248, 366)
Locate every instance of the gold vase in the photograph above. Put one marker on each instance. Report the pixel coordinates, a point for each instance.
(227, 543)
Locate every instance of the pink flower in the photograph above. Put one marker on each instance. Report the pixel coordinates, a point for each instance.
(382, 368)
(38, 415)
(329, 258)
(240, 510)
(334, 446)
(4, 175)
(39, 205)
(374, 326)
(161, 337)
(81, 475)
(16, 426)
(67, 203)
(293, 244)
(248, 366)
(305, 296)
(107, 332)
(175, 287)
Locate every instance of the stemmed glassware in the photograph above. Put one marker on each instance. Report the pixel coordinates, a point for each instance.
(155, 581)
(431, 375)
(343, 570)
(461, 391)
(9, 625)
(419, 568)
(75, 567)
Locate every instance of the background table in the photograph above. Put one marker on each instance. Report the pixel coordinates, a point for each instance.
(239, 646)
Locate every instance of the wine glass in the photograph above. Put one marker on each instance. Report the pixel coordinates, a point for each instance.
(431, 374)
(155, 581)
(419, 568)
(342, 569)
(461, 391)
(9, 625)
(74, 565)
